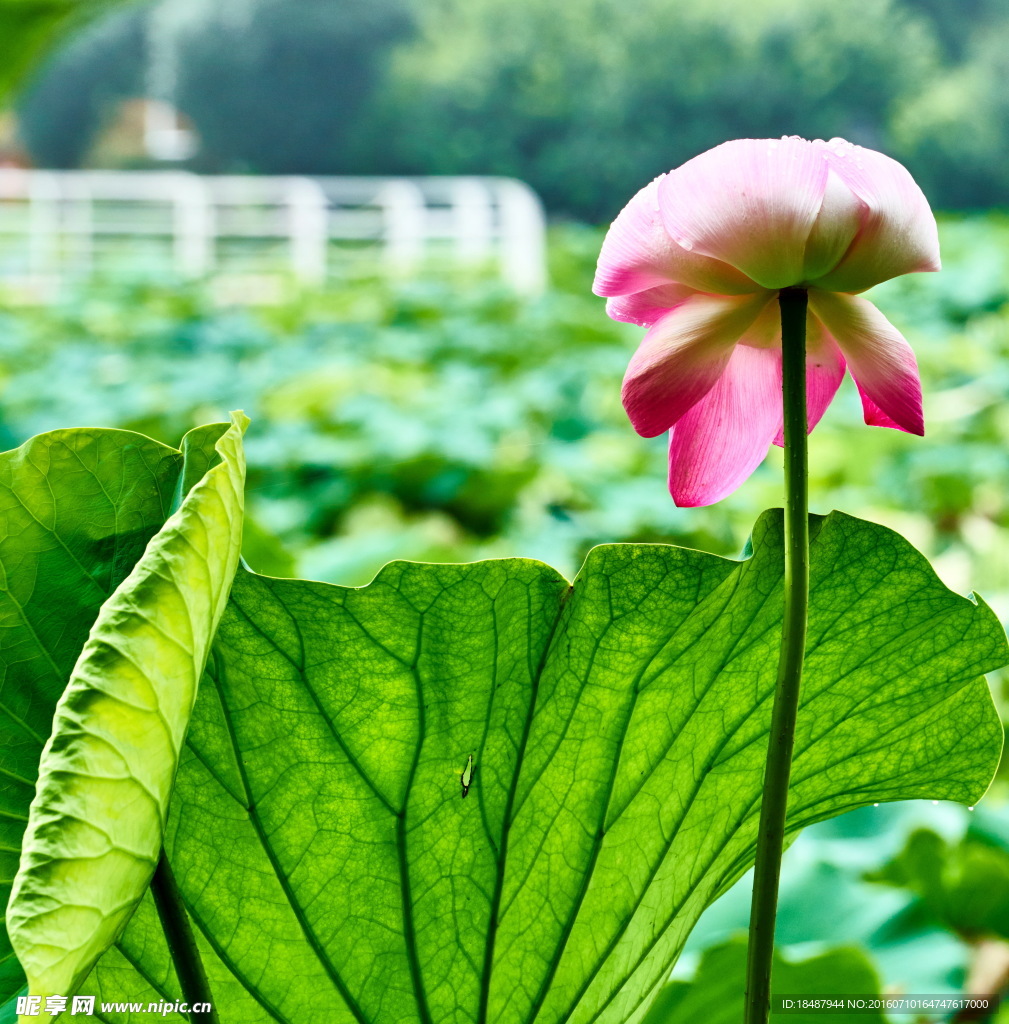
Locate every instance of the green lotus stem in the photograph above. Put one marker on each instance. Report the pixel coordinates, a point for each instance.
(771, 834)
(182, 942)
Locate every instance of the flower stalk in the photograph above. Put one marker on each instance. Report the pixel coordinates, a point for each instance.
(182, 942)
(771, 834)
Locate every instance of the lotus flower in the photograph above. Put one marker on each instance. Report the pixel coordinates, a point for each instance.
(699, 256)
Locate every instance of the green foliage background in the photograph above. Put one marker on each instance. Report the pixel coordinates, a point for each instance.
(448, 420)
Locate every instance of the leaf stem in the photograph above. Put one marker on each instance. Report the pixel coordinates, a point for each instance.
(182, 942)
(771, 835)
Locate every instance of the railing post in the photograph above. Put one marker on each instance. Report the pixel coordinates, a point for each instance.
(522, 236)
(473, 217)
(193, 225)
(403, 209)
(308, 228)
(43, 222)
(77, 209)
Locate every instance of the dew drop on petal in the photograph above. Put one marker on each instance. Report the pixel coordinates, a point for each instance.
(935, 803)
(685, 243)
(840, 147)
(875, 805)
(970, 808)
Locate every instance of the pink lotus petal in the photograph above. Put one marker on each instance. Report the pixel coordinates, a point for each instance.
(751, 203)
(825, 367)
(898, 235)
(638, 254)
(875, 416)
(644, 308)
(765, 331)
(725, 436)
(840, 218)
(879, 358)
(682, 357)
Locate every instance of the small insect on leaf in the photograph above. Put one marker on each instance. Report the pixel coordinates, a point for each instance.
(467, 776)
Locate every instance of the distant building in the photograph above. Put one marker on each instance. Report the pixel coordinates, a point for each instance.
(12, 153)
(144, 131)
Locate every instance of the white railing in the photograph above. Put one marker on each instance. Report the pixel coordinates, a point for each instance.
(67, 225)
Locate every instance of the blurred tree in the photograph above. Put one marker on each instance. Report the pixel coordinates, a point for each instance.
(588, 99)
(282, 86)
(65, 105)
(953, 133)
(957, 21)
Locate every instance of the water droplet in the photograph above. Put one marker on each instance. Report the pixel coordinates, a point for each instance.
(935, 803)
(875, 805)
(685, 243)
(970, 808)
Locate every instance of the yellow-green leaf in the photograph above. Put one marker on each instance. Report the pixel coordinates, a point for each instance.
(96, 824)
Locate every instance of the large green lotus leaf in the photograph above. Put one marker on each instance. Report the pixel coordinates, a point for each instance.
(106, 774)
(338, 868)
(77, 509)
(716, 994)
